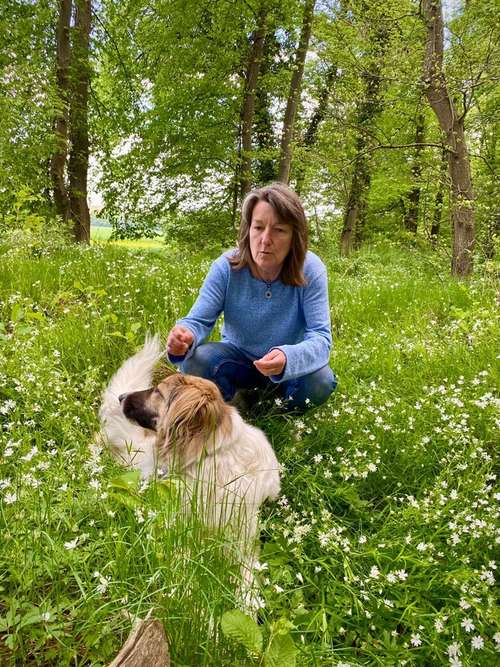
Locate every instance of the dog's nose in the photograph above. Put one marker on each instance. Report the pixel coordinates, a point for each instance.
(121, 397)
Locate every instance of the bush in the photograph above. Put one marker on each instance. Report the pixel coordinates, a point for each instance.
(29, 228)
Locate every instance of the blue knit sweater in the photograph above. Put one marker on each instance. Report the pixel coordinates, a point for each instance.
(295, 320)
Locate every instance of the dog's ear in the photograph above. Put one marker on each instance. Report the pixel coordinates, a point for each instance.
(190, 423)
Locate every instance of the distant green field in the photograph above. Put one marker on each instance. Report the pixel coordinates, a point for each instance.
(100, 234)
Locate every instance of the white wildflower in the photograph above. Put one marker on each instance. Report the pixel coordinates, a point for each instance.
(72, 544)
(468, 625)
(10, 498)
(477, 643)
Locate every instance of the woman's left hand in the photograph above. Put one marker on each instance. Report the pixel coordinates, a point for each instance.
(272, 363)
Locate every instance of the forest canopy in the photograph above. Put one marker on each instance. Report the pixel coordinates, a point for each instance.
(383, 116)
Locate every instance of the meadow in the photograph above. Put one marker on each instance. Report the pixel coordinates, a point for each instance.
(382, 549)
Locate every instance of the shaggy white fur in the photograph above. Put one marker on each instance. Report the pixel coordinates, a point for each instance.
(229, 478)
(131, 444)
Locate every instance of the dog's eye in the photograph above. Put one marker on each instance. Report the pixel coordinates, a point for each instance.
(158, 393)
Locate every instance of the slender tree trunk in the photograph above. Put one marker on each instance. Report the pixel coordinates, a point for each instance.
(294, 93)
(438, 201)
(248, 110)
(492, 194)
(266, 168)
(356, 204)
(367, 111)
(79, 156)
(411, 214)
(319, 114)
(264, 135)
(462, 198)
(58, 158)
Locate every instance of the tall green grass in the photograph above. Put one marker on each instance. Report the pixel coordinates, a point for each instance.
(381, 550)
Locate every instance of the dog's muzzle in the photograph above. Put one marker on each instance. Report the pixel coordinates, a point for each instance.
(135, 407)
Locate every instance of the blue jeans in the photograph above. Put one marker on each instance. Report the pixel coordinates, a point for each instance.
(231, 370)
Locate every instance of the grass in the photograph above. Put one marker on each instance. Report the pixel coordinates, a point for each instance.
(103, 234)
(381, 550)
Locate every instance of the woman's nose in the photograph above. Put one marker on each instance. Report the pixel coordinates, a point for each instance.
(266, 237)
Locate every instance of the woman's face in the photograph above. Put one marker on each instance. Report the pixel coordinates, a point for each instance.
(270, 241)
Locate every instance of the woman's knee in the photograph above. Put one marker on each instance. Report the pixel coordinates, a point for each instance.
(323, 386)
(202, 362)
(316, 388)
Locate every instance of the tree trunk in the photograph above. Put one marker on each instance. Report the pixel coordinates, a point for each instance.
(438, 201)
(266, 167)
(411, 214)
(356, 203)
(367, 110)
(146, 646)
(79, 156)
(248, 110)
(462, 199)
(491, 191)
(294, 93)
(58, 158)
(264, 135)
(311, 133)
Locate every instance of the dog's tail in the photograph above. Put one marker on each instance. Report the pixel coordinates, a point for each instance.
(135, 374)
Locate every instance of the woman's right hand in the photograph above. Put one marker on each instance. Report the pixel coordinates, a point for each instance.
(179, 341)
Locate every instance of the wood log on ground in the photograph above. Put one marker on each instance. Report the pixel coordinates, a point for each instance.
(146, 646)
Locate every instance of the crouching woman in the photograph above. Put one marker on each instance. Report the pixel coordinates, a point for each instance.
(273, 294)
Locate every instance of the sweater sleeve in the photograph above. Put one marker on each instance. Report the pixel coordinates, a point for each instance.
(206, 309)
(313, 352)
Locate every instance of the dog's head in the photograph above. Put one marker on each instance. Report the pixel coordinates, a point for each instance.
(187, 413)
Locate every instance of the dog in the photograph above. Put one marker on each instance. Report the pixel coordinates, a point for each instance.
(183, 427)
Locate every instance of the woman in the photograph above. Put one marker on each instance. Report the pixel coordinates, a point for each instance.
(274, 296)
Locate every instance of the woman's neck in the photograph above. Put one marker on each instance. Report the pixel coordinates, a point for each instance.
(267, 277)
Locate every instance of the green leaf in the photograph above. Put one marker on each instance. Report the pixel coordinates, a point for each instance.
(30, 618)
(125, 498)
(169, 491)
(17, 313)
(350, 495)
(241, 628)
(127, 481)
(281, 652)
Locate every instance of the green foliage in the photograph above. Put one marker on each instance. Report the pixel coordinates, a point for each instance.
(29, 228)
(210, 227)
(168, 80)
(381, 548)
(241, 628)
(27, 97)
(280, 649)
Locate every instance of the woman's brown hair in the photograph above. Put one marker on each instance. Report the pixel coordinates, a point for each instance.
(289, 210)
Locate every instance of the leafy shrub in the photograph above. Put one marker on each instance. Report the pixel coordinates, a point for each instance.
(29, 228)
